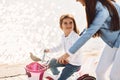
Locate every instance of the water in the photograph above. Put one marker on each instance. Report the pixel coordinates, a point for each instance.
(32, 25)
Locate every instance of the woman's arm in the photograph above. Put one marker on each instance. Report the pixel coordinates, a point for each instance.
(101, 15)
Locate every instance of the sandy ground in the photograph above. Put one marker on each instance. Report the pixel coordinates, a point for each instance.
(12, 72)
(17, 71)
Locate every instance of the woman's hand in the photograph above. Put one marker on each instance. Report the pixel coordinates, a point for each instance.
(63, 59)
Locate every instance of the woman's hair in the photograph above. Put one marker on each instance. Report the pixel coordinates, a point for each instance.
(70, 17)
(113, 0)
(91, 13)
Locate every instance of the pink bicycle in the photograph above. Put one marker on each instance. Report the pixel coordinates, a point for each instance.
(36, 71)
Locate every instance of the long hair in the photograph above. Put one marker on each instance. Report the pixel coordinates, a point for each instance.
(113, 0)
(70, 17)
(91, 12)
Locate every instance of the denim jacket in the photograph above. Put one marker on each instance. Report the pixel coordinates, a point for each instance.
(102, 23)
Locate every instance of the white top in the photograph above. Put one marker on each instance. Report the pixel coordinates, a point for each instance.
(66, 43)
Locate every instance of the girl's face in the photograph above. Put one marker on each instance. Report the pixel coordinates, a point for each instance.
(67, 26)
(81, 1)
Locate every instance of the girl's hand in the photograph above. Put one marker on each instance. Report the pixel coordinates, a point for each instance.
(63, 59)
(46, 50)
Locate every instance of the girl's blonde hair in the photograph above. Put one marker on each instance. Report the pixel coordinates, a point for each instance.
(70, 17)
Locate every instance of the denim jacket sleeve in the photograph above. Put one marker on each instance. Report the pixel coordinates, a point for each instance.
(101, 15)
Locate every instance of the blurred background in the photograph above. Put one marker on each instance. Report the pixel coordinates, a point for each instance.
(32, 25)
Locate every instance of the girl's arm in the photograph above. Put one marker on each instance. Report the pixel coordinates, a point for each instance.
(54, 49)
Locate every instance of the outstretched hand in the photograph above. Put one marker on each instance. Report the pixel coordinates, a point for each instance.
(46, 50)
(63, 59)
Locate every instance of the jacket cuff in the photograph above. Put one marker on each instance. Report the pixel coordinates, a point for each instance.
(69, 53)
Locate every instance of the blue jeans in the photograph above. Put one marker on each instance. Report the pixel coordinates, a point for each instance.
(66, 72)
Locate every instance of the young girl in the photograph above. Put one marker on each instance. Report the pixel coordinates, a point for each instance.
(71, 34)
(103, 19)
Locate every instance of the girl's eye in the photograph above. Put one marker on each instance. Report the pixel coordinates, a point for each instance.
(65, 23)
(70, 22)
